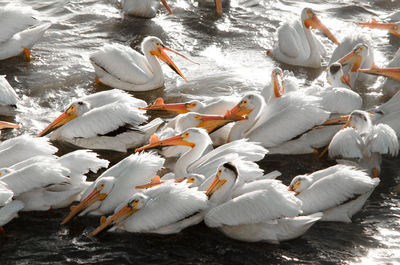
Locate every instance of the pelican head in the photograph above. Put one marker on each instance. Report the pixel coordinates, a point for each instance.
(299, 184)
(249, 102)
(355, 57)
(156, 47)
(194, 180)
(135, 203)
(336, 77)
(310, 19)
(102, 187)
(226, 177)
(359, 120)
(190, 137)
(74, 110)
(191, 106)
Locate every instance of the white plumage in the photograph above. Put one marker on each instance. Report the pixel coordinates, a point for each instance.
(7, 94)
(143, 8)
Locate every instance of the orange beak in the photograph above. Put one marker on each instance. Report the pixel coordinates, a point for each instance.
(160, 105)
(4, 124)
(278, 86)
(212, 123)
(351, 58)
(165, 58)
(126, 211)
(315, 23)
(218, 5)
(239, 110)
(94, 196)
(215, 185)
(375, 25)
(58, 122)
(167, 6)
(339, 120)
(393, 73)
(175, 140)
(346, 80)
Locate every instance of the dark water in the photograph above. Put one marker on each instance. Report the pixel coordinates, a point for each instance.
(231, 51)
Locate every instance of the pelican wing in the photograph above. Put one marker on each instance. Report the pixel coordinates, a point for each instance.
(344, 184)
(169, 203)
(22, 147)
(7, 93)
(383, 139)
(289, 40)
(112, 96)
(102, 120)
(346, 143)
(123, 63)
(5, 194)
(262, 201)
(34, 176)
(10, 211)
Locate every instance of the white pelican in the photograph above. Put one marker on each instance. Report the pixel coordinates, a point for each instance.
(143, 8)
(354, 53)
(121, 67)
(297, 45)
(339, 192)
(280, 120)
(104, 120)
(20, 30)
(393, 28)
(364, 142)
(9, 210)
(392, 72)
(194, 160)
(116, 184)
(265, 211)
(164, 209)
(33, 186)
(8, 97)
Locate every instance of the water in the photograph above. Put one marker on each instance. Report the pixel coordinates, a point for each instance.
(231, 51)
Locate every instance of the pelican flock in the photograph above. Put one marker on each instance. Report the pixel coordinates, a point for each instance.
(207, 164)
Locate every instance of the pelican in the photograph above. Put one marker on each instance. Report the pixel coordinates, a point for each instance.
(104, 120)
(194, 160)
(116, 184)
(164, 209)
(278, 121)
(297, 45)
(9, 211)
(392, 72)
(339, 192)
(364, 142)
(354, 53)
(32, 180)
(143, 8)
(121, 67)
(8, 97)
(265, 211)
(20, 30)
(393, 28)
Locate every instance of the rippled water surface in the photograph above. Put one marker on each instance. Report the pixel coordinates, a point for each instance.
(231, 52)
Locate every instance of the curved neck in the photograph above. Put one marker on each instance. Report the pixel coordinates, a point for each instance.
(240, 128)
(154, 64)
(314, 50)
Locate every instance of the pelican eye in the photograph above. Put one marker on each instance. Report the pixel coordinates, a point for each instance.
(297, 185)
(197, 117)
(219, 172)
(134, 203)
(71, 108)
(185, 135)
(395, 27)
(192, 105)
(101, 187)
(190, 180)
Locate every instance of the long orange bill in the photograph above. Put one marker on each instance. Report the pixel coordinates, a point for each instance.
(351, 58)
(167, 6)
(376, 25)
(238, 110)
(94, 196)
(278, 86)
(348, 119)
(218, 5)
(58, 122)
(315, 23)
(126, 211)
(339, 120)
(4, 124)
(175, 140)
(156, 180)
(346, 80)
(27, 54)
(160, 105)
(393, 73)
(213, 122)
(215, 185)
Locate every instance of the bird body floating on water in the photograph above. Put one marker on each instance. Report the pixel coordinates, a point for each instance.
(143, 8)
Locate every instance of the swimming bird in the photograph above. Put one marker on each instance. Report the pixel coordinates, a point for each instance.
(363, 142)
(339, 192)
(9, 208)
(121, 67)
(297, 45)
(104, 120)
(116, 184)
(20, 30)
(196, 160)
(164, 209)
(264, 211)
(8, 97)
(393, 28)
(143, 8)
